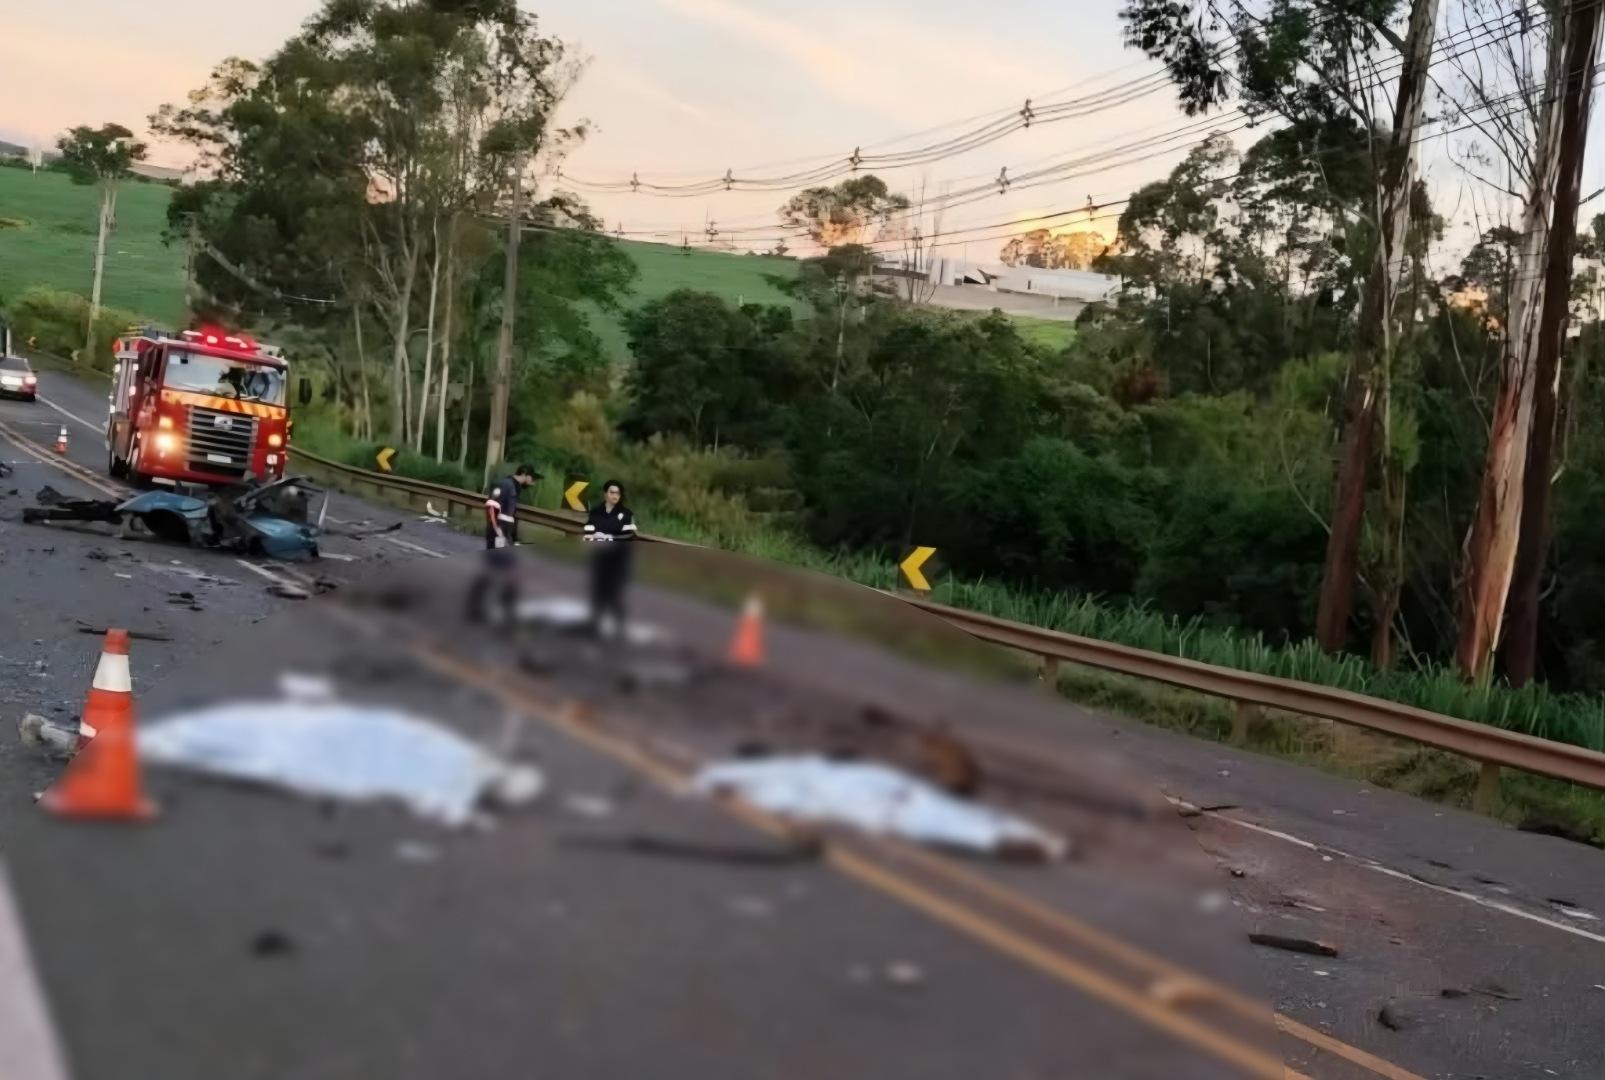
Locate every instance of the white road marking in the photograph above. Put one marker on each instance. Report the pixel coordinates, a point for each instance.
(28, 1043)
(1399, 875)
(336, 556)
(255, 569)
(98, 429)
(410, 546)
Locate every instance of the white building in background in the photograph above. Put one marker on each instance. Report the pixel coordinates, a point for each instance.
(1081, 285)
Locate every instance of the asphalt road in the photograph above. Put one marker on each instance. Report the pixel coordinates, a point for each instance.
(513, 953)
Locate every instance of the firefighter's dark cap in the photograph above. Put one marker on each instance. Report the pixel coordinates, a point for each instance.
(527, 470)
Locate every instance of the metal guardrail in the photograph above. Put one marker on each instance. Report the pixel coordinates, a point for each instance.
(1493, 747)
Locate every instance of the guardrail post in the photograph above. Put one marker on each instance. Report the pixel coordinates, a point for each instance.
(1048, 673)
(1487, 789)
(1243, 714)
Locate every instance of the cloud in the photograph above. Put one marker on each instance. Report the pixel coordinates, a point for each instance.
(650, 93)
(899, 67)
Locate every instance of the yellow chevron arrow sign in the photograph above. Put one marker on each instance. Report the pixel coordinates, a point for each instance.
(384, 456)
(911, 568)
(572, 494)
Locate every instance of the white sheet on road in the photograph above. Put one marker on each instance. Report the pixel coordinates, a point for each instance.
(331, 749)
(569, 613)
(873, 798)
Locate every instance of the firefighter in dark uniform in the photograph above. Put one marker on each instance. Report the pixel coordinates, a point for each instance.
(501, 533)
(611, 526)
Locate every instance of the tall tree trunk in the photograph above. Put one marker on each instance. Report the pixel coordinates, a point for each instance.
(501, 384)
(445, 338)
(1490, 553)
(468, 412)
(1373, 337)
(365, 430)
(429, 340)
(400, 381)
(108, 203)
(1532, 551)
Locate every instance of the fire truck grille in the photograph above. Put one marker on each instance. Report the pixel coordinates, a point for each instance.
(220, 442)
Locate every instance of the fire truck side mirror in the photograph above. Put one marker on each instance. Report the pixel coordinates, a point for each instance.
(304, 391)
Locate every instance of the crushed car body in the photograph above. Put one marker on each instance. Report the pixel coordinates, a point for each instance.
(269, 520)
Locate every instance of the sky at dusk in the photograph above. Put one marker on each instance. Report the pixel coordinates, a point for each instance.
(682, 89)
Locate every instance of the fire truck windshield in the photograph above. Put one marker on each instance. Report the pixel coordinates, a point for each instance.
(226, 378)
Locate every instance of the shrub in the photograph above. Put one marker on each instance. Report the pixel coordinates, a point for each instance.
(54, 320)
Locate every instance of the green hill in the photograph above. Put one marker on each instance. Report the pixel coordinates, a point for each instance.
(47, 237)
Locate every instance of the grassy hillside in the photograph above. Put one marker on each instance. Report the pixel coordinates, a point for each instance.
(665, 268)
(47, 237)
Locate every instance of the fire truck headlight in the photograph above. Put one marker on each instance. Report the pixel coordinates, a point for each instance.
(164, 422)
(166, 442)
(275, 440)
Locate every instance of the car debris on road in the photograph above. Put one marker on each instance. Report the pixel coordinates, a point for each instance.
(268, 520)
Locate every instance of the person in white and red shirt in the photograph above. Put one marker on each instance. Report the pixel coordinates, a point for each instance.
(501, 533)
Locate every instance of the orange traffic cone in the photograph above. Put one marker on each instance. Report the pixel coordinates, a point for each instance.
(746, 648)
(103, 780)
(61, 440)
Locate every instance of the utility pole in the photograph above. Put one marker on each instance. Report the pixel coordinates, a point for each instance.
(501, 386)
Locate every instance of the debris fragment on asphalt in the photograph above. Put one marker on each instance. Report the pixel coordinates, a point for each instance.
(42, 733)
(137, 635)
(751, 907)
(340, 751)
(1395, 1017)
(1307, 946)
(875, 799)
(802, 850)
(416, 851)
(588, 806)
(904, 974)
(272, 943)
(288, 591)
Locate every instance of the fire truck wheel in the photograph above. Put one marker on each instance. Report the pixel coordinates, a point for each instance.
(114, 464)
(135, 477)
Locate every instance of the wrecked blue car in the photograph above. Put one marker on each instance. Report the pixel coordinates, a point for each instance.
(270, 521)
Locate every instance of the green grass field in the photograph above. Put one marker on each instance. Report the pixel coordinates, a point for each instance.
(47, 237)
(665, 268)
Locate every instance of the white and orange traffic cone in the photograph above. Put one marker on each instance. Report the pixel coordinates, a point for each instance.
(102, 781)
(112, 689)
(61, 440)
(746, 647)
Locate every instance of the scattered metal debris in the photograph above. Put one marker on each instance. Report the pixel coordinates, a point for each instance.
(137, 635)
(1307, 946)
(904, 974)
(268, 520)
(416, 851)
(803, 850)
(588, 806)
(752, 907)
(270, 943)
(1396, 1017)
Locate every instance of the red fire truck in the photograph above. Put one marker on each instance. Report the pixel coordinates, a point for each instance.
(198, 407)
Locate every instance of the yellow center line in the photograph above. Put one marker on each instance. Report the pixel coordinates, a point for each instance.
(1137, 958)
(1228, 1048)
